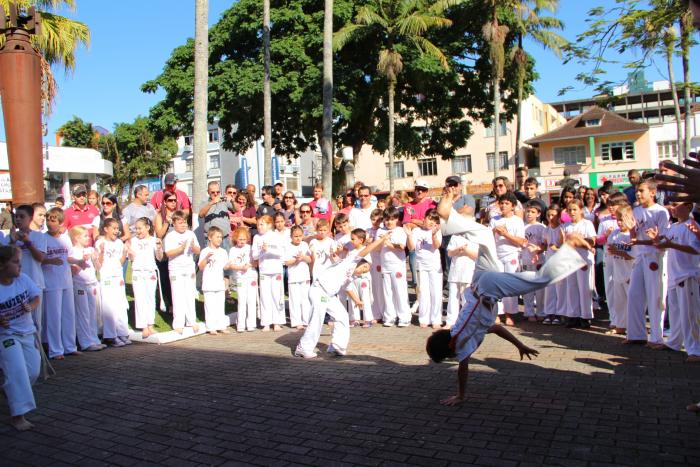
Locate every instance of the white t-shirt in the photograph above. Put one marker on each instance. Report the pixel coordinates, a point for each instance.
(30, 266)
(238, 257)
(322, 251)
(185, 261)
(682, 265)
(376, 254)
(515, 226)
(144, 253)
(12, 298)
(58, 277)
(461, 267)
(552, 235)
(270, 261)
(535, 236)
(213, 272)
(427, 256)
(338, 276)
(584, 228)
(606, 224)
(86, 276)
(646, 218)
(298, 272)
(359, 218)
(392, 259)
(343, 240)
(112, 259)
(621, 267)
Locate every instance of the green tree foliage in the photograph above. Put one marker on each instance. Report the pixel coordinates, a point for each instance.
(136, 152)
(431, 101)
(78, 133)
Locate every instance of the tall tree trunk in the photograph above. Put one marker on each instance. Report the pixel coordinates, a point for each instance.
(518, 129)
(201, 66)
(392, 90)
(267, 97)
(686, 31)
(327, 135)
(669, 46)
(496, 124)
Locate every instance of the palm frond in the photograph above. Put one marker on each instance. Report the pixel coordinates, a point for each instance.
(347, 33)
(418, 24)
(368, 16)
(430, 49)
(549, 40)
(59, 38)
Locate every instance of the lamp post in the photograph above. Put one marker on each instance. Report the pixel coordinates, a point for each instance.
(20, 88)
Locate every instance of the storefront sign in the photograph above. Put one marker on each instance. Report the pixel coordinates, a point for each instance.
(551, 183)
(5, 186)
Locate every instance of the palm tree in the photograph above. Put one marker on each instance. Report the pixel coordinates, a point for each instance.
(529, 23)
(267, 97)
(57, 41)
(327, 130)
(395, 24)
(201, 78)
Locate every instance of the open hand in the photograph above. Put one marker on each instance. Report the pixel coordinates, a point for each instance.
(528, 352)
(686, 185)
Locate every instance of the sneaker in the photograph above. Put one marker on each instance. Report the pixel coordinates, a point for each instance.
(125, 340)
(299, 352)
(585, 324)
(388, 324)
(335, 351)
(93, 348)
(547, 321)
(115, 342)
(403, 324)
(556, 321)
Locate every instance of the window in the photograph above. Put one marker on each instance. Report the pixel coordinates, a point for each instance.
(667, 150)
(213, 136)
(622, 151)
(462, 164)
(398, 169)
(214, 161)
(592, 122)
(189, 165)
(427, 167)
(504, 160)
(570, 155)
(502, 124)
(188, 140)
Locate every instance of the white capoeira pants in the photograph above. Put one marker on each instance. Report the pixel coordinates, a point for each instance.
(510, 304)
(38, 317)
(646, 292)
(430, 297)
(534, 301)
(20, 362)
(455, 301)
(299, 305)
(144, 284)
(184, 293)
(579, 293)
(85, 298)
(395, 291)
(363, 287)
(617, 292)
(377, 292)
(247, 295)
(59, 316)
(114, 307)
(555, 299)
(684, 316)
(214, 310)
(321, 303)
(271, 303)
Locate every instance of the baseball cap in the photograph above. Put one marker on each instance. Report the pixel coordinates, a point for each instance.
(279, 183)
(420, 183)
(453, 180)
(170, 179)
(79, 188)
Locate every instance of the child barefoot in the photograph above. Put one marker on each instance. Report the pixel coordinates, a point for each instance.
(298, 258)
(85, 290)
(212, 261)
(143, 250)
(244, 279)
(19, 356)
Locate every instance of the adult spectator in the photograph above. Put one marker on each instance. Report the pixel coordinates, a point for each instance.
(590, 206)
(322, 208)
(231, 192)
(110, 210)
(267, 207)
(663, 194)
(347, 202)
(464, 203)
(215, 213)
(521, 174)
(501, 185)
(6, 217)
(360, 217)
(163, 225)
(183, 201)
(279, 194)
(289, 209)
(246, 204)
(251, 190)
(414, 215)
(79, 212)
(306, 221)
(138, 208)
(356, 195)
(631, 191)
(399, 199)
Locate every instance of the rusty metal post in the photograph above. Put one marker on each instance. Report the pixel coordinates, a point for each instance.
(20, 88)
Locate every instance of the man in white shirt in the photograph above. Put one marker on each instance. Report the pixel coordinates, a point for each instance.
(360, 217)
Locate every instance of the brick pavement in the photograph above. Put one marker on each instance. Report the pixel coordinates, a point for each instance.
(243, 399)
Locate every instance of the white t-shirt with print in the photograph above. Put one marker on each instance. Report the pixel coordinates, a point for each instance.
(322, 251)
(30, 266)
(621, 267)
(111, 262)
(185, 261)
(461, 267)
(298, 272)
(515, 226)
(392, 259)
(682, 265)
(88, 275)
(584, 228)
(270, 261)
(144, 253)
(646, 218)
(12, 298)
(427, 256)
(213, 272)
(238, 256)
(534, 233)
(58, 277)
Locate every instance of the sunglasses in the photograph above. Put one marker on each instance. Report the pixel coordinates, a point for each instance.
(305, 212)
(107, 203)
(171, 200)
(289, 197)
(80, 195)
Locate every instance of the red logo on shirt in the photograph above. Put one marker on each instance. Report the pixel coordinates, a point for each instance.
(379, 269)
(121, 283)
(513, 261)
(279, 277)
(153, 278)
(363, 285)
(654, 266)
(399, 275)
(253, 283)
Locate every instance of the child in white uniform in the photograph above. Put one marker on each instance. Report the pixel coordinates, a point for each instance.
(111, 255)
(268, 251)
(212, 261)
(619, 263)
(579, 288)
(297, 258)
(509, 231)
(647, 286)
(359, 291)
(244, 279)
(59, 307)
(143, 250)
(322, 248)
(532, 259)
(180, 246)
(426, 241)
(683, 272)
(33, 246)
(377, 217)
(393, 264)
(20, 360)
(85, 290)
(463, 254)
(555, 294)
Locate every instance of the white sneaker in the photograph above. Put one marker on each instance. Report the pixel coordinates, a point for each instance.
(403, 324)
(116, 342)
(93, 348)
(299, 352)
(336, 351)
(388, 324)
(125, 340)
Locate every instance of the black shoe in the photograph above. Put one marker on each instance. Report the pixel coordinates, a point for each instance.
(585, 323)
(573, 323)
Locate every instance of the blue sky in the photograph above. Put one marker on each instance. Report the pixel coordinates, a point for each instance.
(132, 40)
